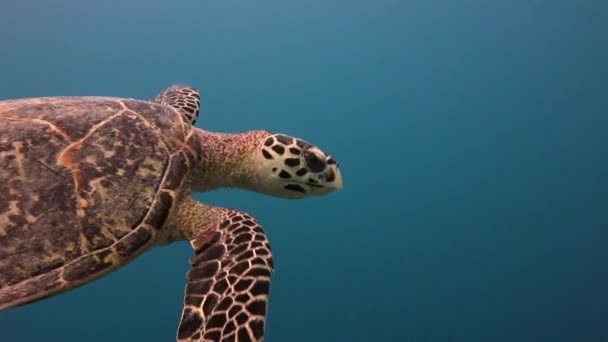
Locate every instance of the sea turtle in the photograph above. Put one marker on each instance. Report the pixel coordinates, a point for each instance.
(89, 183)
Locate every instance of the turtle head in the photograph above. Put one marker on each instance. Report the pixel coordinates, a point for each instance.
(289, 167)
(269, 163)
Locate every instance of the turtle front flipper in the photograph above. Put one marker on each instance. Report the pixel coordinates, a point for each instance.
(228, 286)
(184, 99)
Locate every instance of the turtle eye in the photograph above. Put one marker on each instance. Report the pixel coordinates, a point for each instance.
(314, 163)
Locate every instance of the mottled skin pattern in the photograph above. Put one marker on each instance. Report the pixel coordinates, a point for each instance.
(250, 161)
(228, 285)
(183, 98)
(89, 183)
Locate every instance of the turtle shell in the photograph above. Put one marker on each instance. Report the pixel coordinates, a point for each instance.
(86, 183)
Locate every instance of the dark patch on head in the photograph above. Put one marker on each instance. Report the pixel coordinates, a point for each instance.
(160, 211)
(274, 169)
(134, 241)
(314, 163)
(189, 324)
(269, 141)
(301, 172)
(295, 187)
(294, 150)
(330, 177)
(217, 321)
(284, 174)
(266, 154)
(292, 162)
(278, 149)
(303, 144)
(283, 139)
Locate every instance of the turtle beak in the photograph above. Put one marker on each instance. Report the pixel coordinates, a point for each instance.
(337, 183)
(333, 176)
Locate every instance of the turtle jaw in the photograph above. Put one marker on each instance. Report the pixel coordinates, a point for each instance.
(326, 182)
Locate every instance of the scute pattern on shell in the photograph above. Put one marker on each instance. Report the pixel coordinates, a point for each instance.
(77, 176)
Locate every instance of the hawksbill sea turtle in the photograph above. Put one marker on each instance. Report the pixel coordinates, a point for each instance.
(89, 183)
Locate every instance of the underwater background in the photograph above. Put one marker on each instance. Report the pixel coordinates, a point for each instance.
(471, 135)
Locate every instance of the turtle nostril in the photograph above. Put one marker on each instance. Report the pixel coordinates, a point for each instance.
(314, 163)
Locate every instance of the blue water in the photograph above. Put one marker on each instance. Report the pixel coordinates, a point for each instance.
(472, 138)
